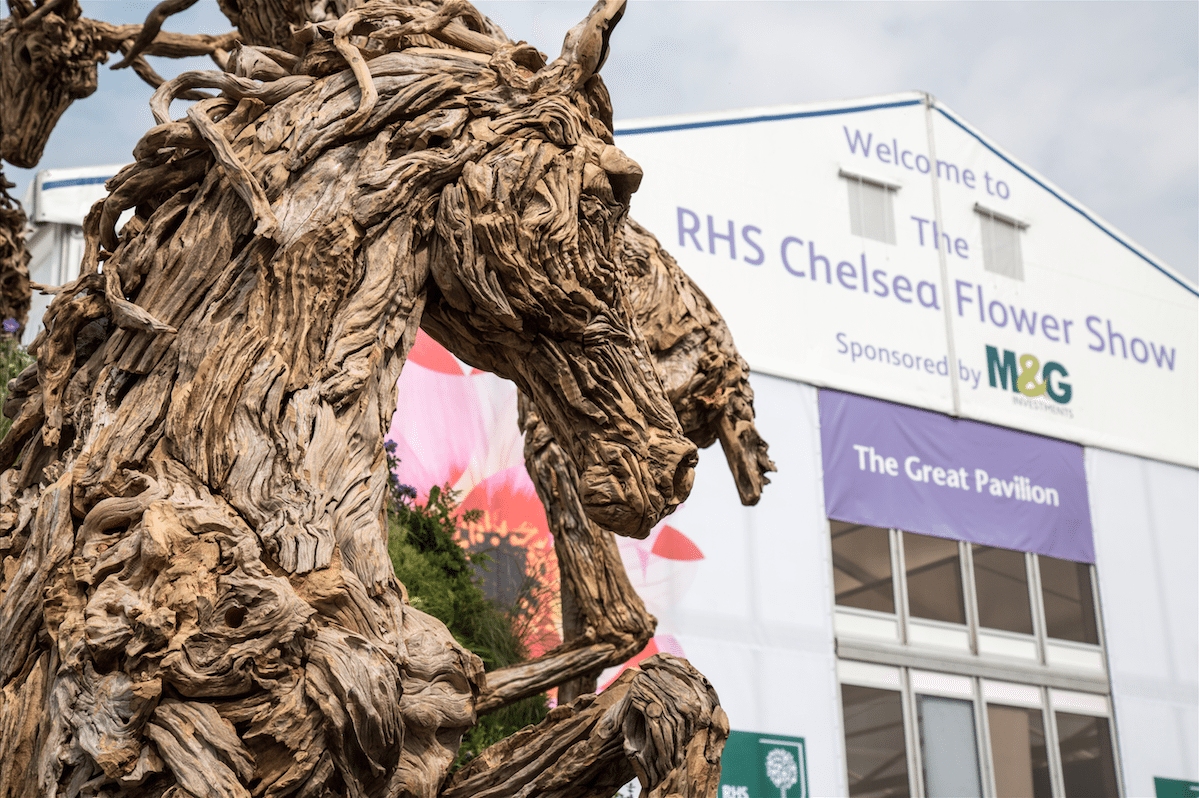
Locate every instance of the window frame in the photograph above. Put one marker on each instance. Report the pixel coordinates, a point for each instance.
(1045, 672)
(889, 188)
(1019, 226)
(1050, 701)
(1028, 583)
(1051, 652)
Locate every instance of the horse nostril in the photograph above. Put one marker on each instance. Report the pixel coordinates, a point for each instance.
(235, 616)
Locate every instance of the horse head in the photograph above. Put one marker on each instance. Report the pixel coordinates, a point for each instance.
(528, 282)
(301, 225)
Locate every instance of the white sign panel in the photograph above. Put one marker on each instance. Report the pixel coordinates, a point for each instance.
(885, 248)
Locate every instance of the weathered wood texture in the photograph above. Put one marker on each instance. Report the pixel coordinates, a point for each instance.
(660, 723)
(195, 596)
(48, 58)
(14, 259)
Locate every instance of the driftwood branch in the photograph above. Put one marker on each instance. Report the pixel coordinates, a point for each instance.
(660, 723)
(151, 28)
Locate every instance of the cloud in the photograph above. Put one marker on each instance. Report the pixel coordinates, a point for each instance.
(1100, 97)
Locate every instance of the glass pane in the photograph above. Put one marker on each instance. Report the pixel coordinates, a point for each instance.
(1001, 581)
(862, 567)
(1087, 762)
(1069, 605)
(934, 578)
(1018, 752)
(948, 748)
(876, 756)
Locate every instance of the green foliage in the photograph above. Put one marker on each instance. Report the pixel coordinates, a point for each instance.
(439, 577)
(13, 360)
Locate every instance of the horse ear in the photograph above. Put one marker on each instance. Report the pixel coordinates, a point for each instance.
(586, 44)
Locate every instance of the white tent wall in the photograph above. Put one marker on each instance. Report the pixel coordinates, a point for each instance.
(1145, 514)
(56, 202)
(757, 619)
(56, 250)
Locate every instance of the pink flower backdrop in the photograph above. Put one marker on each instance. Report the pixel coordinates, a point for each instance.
(456, 425)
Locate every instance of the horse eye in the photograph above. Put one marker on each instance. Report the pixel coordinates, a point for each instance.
(597, 182)
(623, 172)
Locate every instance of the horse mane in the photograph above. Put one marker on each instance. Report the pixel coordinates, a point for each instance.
(309, 169)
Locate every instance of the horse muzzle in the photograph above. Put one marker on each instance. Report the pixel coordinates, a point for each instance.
(629, 493)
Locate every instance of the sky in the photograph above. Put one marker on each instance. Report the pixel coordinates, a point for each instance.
(1102, 98)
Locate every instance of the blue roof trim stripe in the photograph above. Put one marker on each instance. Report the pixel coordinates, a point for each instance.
(1067, 202)
(75, 181)
(766, 118)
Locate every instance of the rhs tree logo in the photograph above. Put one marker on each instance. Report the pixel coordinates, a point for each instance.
(764, 766)
(781, 769)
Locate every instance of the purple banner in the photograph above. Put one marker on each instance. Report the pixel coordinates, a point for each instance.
(889, 465)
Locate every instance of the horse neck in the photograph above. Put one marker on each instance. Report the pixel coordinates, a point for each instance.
(278, 388)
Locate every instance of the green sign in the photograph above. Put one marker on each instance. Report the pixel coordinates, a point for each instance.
(1175, 788)
(764, 766)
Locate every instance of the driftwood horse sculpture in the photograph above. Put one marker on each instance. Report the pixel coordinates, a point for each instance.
(196, 596)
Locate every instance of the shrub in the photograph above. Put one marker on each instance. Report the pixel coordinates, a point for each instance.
(13, 360)
(440, 578)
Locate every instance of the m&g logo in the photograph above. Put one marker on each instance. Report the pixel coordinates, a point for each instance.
(1027, 376)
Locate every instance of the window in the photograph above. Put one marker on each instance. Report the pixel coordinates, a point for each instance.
(1069, 607)
(1001, 243)
(968, 670)
(1018, 751)
(862, 567)
(1087, 761)
(934, 578)
(947, 747)
(870, 211)
(1001, 581)
(875, 751)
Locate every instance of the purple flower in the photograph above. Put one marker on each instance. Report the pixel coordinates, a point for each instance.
(407, 491)
(11, 325)
(388, 446)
